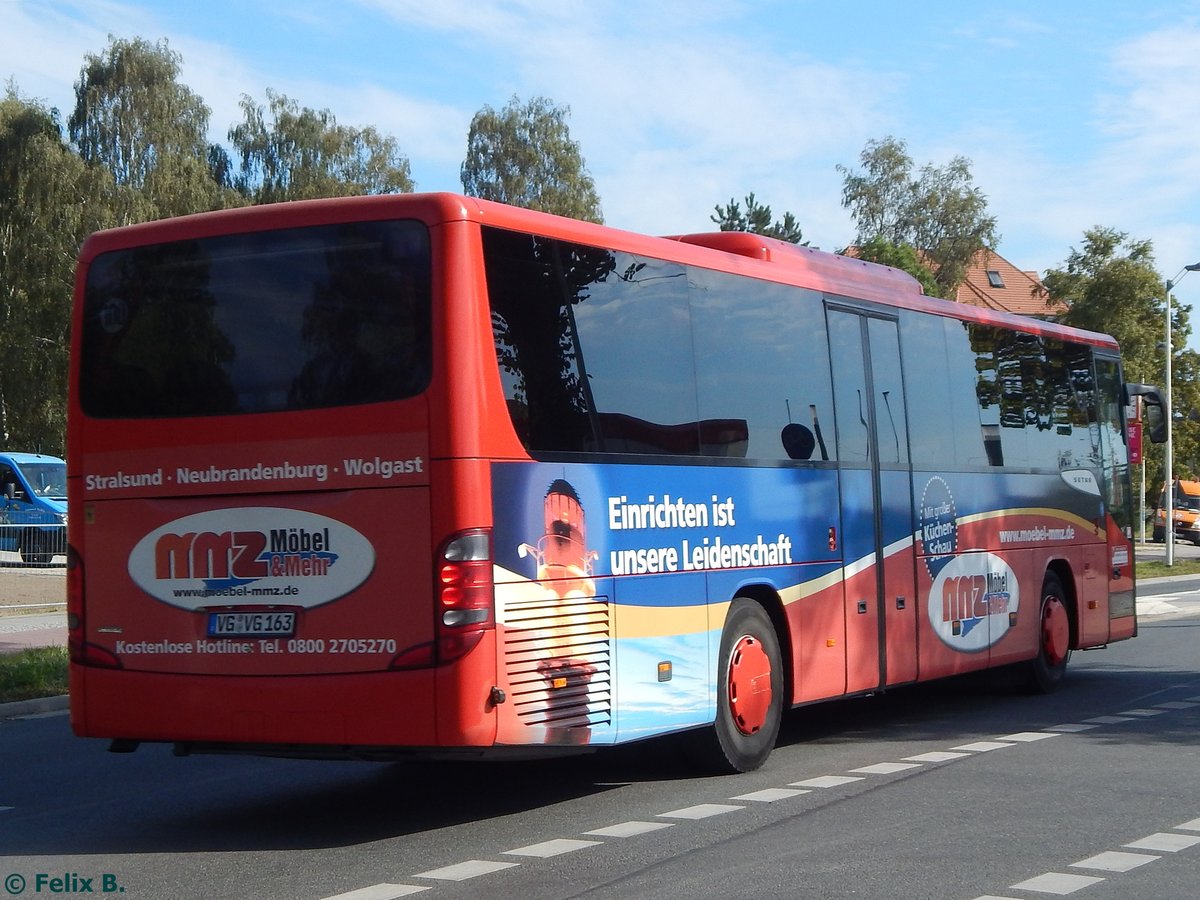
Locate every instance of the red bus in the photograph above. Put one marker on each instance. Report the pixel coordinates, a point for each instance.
(424, 474)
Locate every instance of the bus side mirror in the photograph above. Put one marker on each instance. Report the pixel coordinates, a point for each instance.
(1154, 410)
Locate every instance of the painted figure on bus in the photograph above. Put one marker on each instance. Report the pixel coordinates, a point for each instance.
(564, 563)
(564, 570)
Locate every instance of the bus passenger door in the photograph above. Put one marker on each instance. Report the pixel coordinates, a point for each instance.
(876, 499)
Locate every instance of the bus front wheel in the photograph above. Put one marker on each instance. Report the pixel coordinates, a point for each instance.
(1046, 670)
(749, 692)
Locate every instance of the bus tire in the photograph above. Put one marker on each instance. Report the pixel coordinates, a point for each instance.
(749, 692)
(1046, 670)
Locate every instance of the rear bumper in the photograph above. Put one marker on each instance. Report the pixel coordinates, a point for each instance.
(316, 715)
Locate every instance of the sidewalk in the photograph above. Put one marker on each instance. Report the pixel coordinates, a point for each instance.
(32, 586)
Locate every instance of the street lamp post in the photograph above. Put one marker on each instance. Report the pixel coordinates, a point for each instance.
(1168, 461)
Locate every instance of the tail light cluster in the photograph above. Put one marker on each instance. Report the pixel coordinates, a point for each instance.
(464, 599)
(78, 649)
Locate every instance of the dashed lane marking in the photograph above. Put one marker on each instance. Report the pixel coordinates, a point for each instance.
(629, 829)
(887, 768)
(936, 756)
(1025, 737)
(1060, 883)
(383, 891)
(1115, 861)
(700, 811)
(825, 781)
(472, 868)
(1167, 843)
(983, 746)
(770, 795)
(556, 847)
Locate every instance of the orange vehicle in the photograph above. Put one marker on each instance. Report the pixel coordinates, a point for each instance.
(1185, 511)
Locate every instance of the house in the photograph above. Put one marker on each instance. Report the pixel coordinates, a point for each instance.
(994, 283)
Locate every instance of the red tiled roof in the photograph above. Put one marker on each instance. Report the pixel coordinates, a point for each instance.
(1022, 291)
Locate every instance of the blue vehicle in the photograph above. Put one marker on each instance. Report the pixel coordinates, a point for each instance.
(33, 506)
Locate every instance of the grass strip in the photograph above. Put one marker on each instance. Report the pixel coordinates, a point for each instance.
(33, 673)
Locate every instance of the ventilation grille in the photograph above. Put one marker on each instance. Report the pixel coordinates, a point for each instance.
(557, 656)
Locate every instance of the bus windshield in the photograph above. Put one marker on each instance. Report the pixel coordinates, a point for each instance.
(292, 319)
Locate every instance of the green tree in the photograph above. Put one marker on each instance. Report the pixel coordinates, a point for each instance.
(899, 256)
(49, 201)
(135, 120)
(939, 211)
(524, 155)
(289, 152)
(1110, 284)
(756, 218)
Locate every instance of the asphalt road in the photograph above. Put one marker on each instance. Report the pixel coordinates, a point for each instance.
(959, 790)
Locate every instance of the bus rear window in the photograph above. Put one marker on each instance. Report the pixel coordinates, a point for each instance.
(293, 319)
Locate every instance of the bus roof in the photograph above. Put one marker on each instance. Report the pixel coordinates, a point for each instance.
(741, 253)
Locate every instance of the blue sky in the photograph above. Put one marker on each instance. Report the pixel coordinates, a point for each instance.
(1073, 113)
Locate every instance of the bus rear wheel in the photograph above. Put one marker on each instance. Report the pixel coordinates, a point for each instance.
(749, 692)
(1046, 670)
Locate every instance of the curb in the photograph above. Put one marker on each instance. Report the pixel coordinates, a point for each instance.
(34, 707)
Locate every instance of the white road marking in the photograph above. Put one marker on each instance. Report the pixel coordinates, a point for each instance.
(472, 868)
(888, 768)
(1109, 720)
(557, 847)
(700, 811)
(629, 829)
(1059, 883)
(382, 891)
(1168, 843)
(1027, 736)
(936, 756)
(1177, 704)
(770, 795)
(825, 781)
(983, 746)
(1072, 728)
(1142, 712)
(1193, 825)
(1115, 861)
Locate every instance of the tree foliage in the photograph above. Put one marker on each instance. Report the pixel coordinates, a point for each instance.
(756, 218)
(898, 256)
(289, 152)
(524, 155)
(135, 120)
(939, 211)
(49, 201)
(1110, 284)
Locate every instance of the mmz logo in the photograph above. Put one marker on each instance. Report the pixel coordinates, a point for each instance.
(213, 558)
(973, 601)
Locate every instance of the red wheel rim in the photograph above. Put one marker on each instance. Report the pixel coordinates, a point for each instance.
(1056, 630)
(749, 684)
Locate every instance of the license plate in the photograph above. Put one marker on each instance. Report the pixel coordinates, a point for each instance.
(251, 624)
